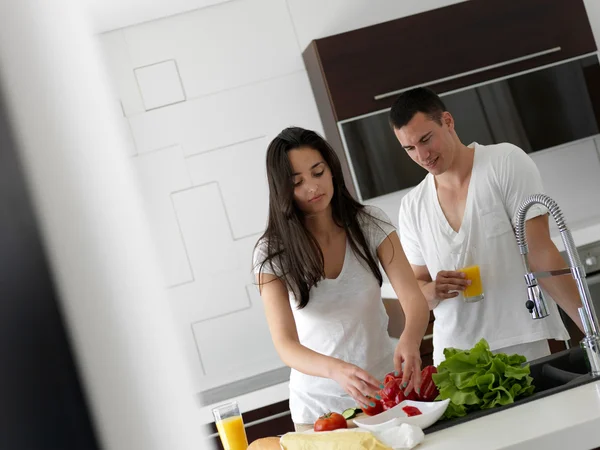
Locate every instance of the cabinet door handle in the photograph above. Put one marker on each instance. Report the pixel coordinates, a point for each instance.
(266, 419)
(257, 422)
(471, 72)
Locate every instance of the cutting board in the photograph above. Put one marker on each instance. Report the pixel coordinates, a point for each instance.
(358, 416)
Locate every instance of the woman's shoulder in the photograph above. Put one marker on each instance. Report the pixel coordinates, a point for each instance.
(370, 214)
(267, 246)
(266, 256)
(375, 224)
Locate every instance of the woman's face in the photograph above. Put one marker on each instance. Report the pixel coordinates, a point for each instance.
(313, 185)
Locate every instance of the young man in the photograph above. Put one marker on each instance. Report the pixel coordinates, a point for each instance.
(468, 202)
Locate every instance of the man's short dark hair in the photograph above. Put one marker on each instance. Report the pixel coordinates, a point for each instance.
(418, 100)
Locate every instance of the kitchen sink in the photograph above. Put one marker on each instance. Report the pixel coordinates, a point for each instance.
(552, 374)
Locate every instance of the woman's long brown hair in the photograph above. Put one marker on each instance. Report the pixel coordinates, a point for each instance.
(288, 243)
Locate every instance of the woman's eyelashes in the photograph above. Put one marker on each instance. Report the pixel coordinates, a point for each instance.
(316, 175)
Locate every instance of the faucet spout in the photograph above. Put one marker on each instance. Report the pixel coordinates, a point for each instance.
(536, 302)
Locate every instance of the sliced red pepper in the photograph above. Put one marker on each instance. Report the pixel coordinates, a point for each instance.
(413, 396)
(392, 376)
(411, 411)
(429, 390)
(390, 390)
(399, 397)
(388, 404)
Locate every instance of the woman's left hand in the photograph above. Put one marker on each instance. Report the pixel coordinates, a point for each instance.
(407, 360)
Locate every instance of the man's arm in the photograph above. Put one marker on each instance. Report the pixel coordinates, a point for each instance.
(543, 256)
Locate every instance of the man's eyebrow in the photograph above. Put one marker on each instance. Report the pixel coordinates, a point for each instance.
(425, 136)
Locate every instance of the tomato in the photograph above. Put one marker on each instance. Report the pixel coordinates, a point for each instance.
(330, 421)
(411, 411)
(429, 390)
(373, 410)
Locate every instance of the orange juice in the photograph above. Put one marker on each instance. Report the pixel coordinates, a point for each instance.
(233, 434)
(475, 290)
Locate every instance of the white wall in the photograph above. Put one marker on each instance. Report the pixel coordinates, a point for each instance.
(107, 15)
(202, 94)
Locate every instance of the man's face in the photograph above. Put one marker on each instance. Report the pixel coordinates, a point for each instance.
(428, 143)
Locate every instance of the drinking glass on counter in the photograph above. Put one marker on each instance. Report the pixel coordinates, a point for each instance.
(464, 262)
(230, 426)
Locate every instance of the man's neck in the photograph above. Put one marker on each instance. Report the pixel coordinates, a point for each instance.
(459, 172)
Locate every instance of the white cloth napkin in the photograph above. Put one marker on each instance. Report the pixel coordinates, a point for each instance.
(401, 437)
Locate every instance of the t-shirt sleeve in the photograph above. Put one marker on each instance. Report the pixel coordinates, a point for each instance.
(408, 235)
(260, 255)
(519, 178)
(376, 227)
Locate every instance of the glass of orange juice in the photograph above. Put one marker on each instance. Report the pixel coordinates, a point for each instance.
(230, 426)
(474, 292)
(465, 263)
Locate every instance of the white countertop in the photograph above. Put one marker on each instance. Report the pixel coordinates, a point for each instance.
(567, 420)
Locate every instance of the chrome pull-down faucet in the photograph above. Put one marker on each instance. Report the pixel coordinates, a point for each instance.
(536, 302)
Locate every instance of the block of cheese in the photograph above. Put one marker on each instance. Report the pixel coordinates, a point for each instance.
(345, 439)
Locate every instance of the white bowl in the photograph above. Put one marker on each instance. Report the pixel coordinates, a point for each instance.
(430, 413)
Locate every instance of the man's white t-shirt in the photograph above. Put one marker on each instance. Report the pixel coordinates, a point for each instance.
(345, 318)
(503, 176)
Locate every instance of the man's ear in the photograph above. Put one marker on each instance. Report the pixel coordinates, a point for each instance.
(448, 120)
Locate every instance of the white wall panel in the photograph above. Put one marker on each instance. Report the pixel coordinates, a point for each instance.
(227, 46)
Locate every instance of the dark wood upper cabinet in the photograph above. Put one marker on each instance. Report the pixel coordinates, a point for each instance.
(349, 70)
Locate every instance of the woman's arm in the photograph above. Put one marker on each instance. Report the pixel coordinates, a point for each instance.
(414, 305)
(355, 381)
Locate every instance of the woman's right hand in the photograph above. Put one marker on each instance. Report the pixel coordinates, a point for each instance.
(358, 383)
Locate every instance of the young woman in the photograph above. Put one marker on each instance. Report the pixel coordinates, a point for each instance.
(317, 267)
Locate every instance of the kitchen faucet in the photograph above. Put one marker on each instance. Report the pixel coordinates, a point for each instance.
(536, 303)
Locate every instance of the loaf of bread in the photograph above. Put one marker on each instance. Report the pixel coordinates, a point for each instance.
(270, 443)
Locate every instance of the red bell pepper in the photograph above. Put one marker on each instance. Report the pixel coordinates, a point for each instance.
(388, 404)
(411, 411)
(400, 397)
(390, 390)
(429, 390)
(392, 376)
(413, 396)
